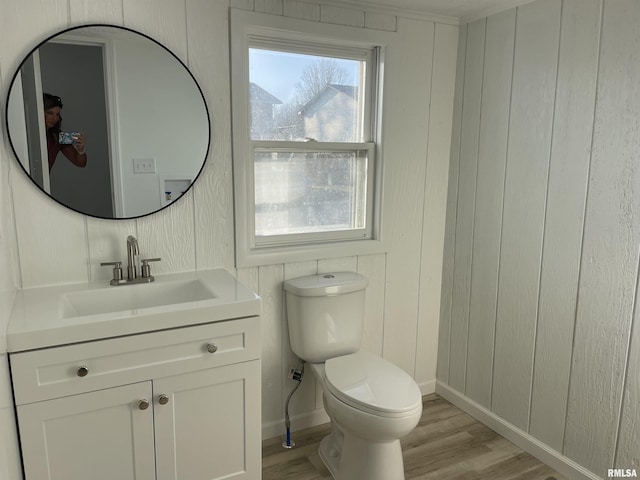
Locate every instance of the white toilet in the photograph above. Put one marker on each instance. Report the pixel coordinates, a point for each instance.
(371, 402)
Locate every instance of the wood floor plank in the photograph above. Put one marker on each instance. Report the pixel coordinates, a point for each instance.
(446, 444)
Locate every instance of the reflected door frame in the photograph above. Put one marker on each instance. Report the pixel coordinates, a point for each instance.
(35, 132)
(112, 112)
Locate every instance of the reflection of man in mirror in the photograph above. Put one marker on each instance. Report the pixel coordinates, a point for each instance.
(72, 145)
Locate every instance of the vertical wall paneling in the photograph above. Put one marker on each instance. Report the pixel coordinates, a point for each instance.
(10, 465)
(530, 126)
(380, 21)
(273, 7)
(108, 243)
(213, 192)
(163, 20)
(568, 176)
(341, 16)
(373, 267)
(446, 299)
(303, 10)
(492, 156)
(610, 247)
(270, 290)
(471, 105)
(242, 4)
(57, 232)
(339, 264)
(566, 353)
(107, 11)
(407, 71)
(435, 202)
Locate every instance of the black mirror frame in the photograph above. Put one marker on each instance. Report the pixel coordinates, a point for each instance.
(156, 42)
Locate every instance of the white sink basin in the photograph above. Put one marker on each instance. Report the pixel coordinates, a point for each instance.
(64, 314)
(133, 297)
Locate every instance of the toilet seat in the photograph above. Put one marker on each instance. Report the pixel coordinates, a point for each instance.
(369, 383)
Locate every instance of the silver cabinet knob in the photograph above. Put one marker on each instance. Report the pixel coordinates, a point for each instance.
(143, 404)
(212, 348)
(163, 399)
(82, 371)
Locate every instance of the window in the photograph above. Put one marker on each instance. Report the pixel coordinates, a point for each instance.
(305, 124)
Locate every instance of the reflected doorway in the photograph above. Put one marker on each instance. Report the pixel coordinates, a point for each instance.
(76, 73)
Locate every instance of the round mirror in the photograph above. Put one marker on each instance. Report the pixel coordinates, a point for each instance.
(108, 122)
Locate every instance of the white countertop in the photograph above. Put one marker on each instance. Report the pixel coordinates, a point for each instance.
(40, 318)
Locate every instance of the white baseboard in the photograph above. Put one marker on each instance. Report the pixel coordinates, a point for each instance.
(298, 422)
(427, 387)
(530, 444)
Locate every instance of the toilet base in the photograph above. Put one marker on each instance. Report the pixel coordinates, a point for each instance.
(360, 459)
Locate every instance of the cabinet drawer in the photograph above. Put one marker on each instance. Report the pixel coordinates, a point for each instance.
(68, 370)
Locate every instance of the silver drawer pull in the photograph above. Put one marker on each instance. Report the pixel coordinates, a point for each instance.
(212, 348)
(82, 371)
(143, 404)
(163, 399)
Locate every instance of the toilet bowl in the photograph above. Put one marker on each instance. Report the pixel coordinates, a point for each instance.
(372, 404)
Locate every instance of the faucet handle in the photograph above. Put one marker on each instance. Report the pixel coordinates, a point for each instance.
(146, 269)
(117, 271)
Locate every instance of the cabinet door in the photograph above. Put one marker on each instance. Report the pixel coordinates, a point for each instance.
(208, 424)
(100, 435)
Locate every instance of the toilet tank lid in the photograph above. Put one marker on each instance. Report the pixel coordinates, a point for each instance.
(335, 283)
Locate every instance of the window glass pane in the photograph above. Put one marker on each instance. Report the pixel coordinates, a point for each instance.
(296, 97)
(303, 192)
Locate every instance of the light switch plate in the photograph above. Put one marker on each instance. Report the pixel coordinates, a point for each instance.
(144, 165)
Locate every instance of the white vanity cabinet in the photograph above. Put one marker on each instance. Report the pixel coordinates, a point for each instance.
(178, 404)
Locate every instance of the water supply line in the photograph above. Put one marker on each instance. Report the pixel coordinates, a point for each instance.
(296, 375)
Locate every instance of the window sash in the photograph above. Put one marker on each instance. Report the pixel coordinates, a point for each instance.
(365, 150)
(369, 54)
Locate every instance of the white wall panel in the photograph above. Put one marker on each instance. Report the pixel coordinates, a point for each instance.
(273, 7)
(534, 79)
(108, 243)
(610, 248)
(568, 176)
(566, 380)
(492, 157)
(341, 16)
(373, 267)
(435, 202)
(270, 290)
(303, 10)
(213, 192)
(87, 11)
(163, 20)
(448, 260)
(408, 69)
(466, 195)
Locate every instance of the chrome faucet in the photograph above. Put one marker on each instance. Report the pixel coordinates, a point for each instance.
(132, 254)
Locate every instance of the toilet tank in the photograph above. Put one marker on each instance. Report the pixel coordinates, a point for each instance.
(325, 314)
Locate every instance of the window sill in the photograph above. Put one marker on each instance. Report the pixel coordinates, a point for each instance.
(301, 253)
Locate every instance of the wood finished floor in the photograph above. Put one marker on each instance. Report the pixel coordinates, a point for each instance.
(446, 444)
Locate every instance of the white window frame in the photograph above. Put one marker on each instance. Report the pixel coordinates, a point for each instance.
(255, 30)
